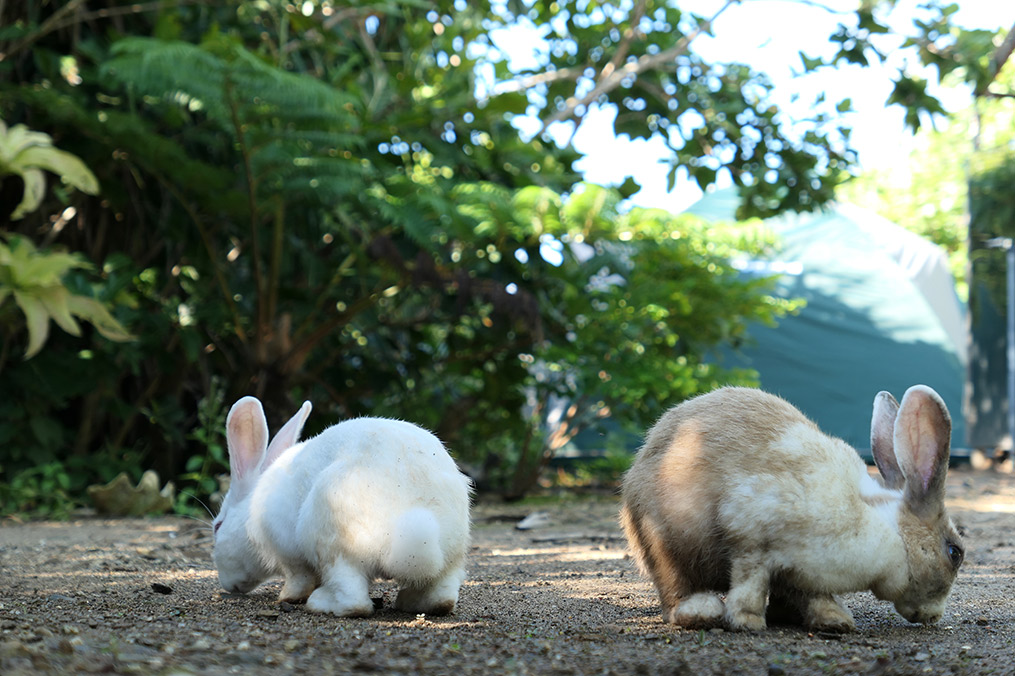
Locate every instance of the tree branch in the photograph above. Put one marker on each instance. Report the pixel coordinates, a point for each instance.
(59, 19)
(255, 240)
(1001, 56)
(209, 246)
(48, 26)
(998, 95)
(624, 46)
(294, 360)
(275, 258)
(548, 77)
(551, 76)
(611, 80)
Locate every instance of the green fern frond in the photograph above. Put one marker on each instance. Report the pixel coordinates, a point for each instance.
(221, 76)
(297, 130)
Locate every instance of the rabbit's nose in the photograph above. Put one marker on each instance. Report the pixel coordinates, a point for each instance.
(238, 586)
(923, 617)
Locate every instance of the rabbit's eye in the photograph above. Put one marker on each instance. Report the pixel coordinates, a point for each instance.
(215, 527)
(955, 554)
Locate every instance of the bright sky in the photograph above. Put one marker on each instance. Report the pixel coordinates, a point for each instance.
(768, 35)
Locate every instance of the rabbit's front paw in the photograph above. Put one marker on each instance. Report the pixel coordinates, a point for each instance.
(745, 620)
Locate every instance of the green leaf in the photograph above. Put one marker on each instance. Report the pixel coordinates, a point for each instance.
(869, 23)
(508, 104)
(28, 268)
(68, 167)
(47, 431)
(37, 320)
(811, 64)
(28, 153)
(96, 313)
(15, 140)
(55, 300)
(35, 190)
(629, 187)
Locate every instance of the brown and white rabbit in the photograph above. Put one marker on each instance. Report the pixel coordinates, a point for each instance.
(736, 493)
(367, 498)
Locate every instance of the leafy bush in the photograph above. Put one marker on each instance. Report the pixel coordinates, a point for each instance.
(343, 220)
(43, 490)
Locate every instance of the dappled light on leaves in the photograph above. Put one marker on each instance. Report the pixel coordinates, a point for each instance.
(314, 200)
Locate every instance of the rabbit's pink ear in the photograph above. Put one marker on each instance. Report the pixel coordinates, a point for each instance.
(287, 437)
(246, 437)
(923, 433)
(886, 409)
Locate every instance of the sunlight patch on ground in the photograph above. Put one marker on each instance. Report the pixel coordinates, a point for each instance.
(115, 576)
(568, 555)
(993, 503)
(605, 555)
(540, 551)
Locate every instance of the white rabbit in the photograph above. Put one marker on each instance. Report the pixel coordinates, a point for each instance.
(367, 498)
(736, 492)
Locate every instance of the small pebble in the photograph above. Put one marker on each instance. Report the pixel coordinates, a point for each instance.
(160, 588)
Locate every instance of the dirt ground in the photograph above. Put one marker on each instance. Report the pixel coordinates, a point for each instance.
(141, 597)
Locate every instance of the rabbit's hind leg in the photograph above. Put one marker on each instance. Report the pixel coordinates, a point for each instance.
(344, 591)
(702, 610)
(437, 597)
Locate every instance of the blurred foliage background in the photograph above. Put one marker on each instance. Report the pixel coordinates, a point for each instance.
(328, 201)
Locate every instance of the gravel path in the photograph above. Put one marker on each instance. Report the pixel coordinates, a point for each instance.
(141, 597)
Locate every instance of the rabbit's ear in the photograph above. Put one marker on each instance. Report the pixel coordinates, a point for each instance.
(287, 437)
(246, 437)
(886, 408)
(923, 434)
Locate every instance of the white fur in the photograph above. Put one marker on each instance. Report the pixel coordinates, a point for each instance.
(367, 498)
(758, 507)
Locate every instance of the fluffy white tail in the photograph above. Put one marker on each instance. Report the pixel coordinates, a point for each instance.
(415, 546)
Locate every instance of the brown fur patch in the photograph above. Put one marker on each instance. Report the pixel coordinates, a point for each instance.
(672, 491)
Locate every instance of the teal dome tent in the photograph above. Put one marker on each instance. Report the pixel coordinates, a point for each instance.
(881, 314)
